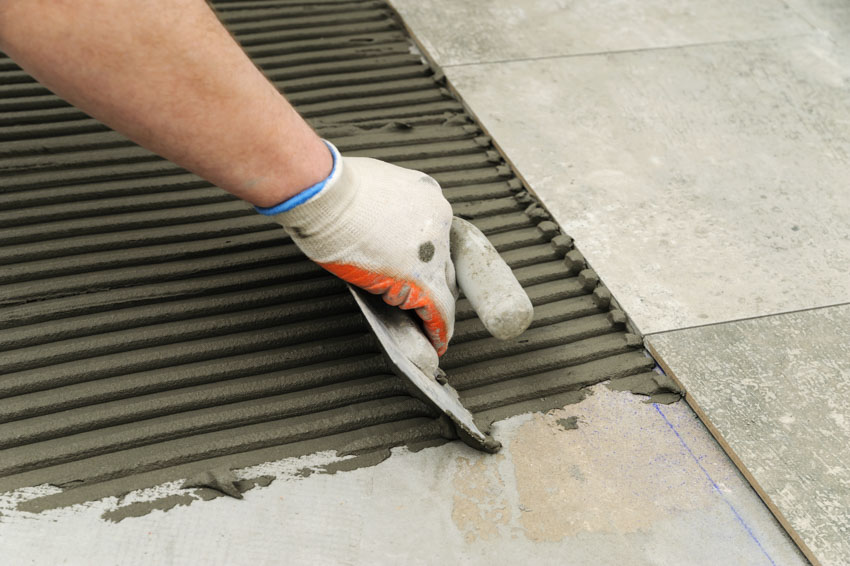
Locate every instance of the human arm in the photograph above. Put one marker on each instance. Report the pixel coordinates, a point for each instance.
(169, 76)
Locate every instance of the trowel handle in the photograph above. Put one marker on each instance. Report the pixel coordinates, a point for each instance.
(488, 282)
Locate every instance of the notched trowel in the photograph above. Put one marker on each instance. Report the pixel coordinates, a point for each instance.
(493, 292)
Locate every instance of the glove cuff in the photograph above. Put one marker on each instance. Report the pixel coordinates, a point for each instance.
(310, 192)
(329, 222)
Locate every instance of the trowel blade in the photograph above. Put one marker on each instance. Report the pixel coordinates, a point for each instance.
(444, 397)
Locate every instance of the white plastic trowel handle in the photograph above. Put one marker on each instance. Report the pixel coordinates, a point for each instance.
(488, 282)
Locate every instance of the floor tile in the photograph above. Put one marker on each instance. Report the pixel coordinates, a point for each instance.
(776, 391)
(626, 483)
(703, 184)
(498, 30)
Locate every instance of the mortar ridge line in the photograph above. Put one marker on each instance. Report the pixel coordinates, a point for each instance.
(625, 51)
(744, 319)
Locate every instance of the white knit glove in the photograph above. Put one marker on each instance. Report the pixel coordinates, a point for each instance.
(382, 228)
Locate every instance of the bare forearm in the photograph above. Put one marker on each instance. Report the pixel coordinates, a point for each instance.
(169, 76)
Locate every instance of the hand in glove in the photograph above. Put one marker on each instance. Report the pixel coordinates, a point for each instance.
(382, 228)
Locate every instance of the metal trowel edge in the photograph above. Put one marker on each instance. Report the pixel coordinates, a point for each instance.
(380, 317)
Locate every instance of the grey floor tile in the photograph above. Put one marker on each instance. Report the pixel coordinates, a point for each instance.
(497, 30)
(704, 184)
(776, 390)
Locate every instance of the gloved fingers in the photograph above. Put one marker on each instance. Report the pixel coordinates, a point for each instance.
(451, 279)
(367, 280)
(397, 293)
(436, 327)
(403, 294)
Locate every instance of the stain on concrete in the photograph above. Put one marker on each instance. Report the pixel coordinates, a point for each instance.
(563, 479)
(480, 509)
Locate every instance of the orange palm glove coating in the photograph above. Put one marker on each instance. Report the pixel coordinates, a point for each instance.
(399, 293)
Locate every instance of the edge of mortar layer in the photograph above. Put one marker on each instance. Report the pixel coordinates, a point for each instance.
(121, 486)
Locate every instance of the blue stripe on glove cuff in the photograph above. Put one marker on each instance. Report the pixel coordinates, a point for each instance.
(307, 193)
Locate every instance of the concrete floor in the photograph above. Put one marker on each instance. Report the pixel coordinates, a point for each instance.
(635, 484)
(698, 154)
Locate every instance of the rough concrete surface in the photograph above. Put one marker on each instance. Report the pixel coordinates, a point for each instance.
(776, 391)
(634, 484)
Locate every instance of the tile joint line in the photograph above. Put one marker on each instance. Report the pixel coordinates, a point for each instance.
(625, 51)
(743, 319)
